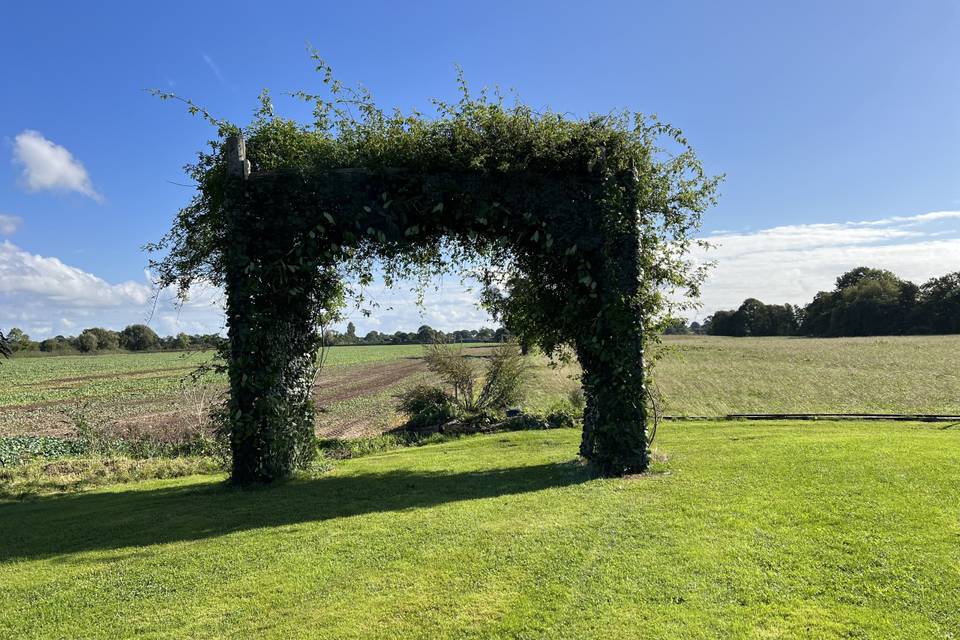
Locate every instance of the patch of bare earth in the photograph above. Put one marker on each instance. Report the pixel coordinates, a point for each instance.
(352, 401)
(69, 383)
(363, 380)
(360, 403)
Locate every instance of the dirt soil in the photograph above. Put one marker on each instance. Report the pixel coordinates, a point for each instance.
(352, 401)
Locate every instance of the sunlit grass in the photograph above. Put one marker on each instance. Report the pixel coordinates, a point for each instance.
(819, 530)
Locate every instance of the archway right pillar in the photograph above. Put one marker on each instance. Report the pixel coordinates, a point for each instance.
(611, 349)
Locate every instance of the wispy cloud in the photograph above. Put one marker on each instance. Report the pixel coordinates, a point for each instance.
(48, 166)
(922, 218)
(9, 224)
(791, 263)
(213, 67)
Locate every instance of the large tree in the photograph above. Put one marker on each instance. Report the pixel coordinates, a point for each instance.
(864, 302)
(938, 308)
(754, 318)
(139, 337)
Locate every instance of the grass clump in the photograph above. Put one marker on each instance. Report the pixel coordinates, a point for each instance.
(40, 477)
(343, 448)
(95, 456)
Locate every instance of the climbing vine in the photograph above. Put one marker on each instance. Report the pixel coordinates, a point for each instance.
(579, 230)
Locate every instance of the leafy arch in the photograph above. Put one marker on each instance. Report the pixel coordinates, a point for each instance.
(582, 224)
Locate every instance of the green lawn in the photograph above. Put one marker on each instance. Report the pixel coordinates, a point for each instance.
(770, 530)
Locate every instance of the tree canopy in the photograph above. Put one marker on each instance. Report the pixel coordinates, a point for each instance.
(479, 134)
(864, 302)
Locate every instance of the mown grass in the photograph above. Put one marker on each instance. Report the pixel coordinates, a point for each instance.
(819, 530)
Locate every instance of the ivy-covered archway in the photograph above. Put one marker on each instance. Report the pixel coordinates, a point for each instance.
(585, 224)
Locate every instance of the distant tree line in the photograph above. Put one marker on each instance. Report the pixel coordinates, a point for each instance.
(424, 335)
(864, 302)
(136, 337)
(140, 337)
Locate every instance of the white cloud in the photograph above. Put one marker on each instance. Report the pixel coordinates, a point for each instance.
(213, 67)
(48, 278)
(9, 224)
(788, 263)
(792, 263)
(447, 306)
(35, 289)
(48, 166)
(933, 216)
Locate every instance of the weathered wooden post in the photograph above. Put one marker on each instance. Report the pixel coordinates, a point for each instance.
(243, 449)
(236, 153)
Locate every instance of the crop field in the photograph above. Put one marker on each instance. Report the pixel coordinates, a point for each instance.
(154, 390)
(697, 376)
(743, 530)
(33, 380)
(709, 376)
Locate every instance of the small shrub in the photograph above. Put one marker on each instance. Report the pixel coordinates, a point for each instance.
(454, 369)
(561, 419)
(577, 400)
(505, 376)
(427, 406)
(524, 422)
(506, 379)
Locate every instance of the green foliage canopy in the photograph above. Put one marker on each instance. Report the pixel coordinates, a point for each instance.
(139, 337)
(865, 302)
(477, 135)
(581, 226)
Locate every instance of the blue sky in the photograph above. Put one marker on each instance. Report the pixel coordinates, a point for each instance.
(837, 124)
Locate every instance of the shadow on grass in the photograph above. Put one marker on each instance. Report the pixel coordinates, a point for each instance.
(134, 517)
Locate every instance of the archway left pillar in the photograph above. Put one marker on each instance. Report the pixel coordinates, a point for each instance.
(273, 340)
